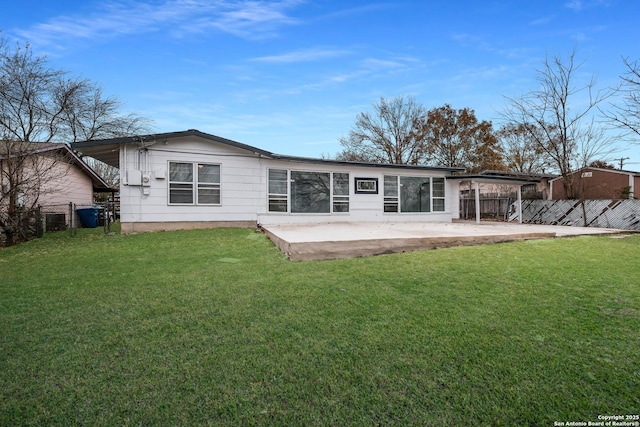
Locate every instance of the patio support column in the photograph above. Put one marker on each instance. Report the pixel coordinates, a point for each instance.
(520, 204)
(477, 187)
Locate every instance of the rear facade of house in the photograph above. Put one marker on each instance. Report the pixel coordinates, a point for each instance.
(191, 179)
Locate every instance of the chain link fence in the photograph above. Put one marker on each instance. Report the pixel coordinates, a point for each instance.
(27, 224)
(57, 217)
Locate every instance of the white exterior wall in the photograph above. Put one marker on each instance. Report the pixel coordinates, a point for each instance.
(243, 187)
(362, 207)
(241, 182)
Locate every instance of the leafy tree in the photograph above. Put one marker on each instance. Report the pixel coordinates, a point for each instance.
(601, 164)
(560, 118)
(402, 131)
(521, 152)
(456, 138)
(389, 134)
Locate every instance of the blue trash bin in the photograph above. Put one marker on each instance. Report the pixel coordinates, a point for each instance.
(88, 217)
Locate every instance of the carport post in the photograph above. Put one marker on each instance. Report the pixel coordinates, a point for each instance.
(477, 187)
(520, 204)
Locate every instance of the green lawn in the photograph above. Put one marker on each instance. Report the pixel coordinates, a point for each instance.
(217, 327)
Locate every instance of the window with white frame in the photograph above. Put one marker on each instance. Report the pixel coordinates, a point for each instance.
(194, 183)
(340, 192)
(437, 194)
(278, 190)
(390, 193)
(208, 184)
(413, 194)
(307, 191)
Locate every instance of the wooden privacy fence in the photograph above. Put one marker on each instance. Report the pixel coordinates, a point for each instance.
(621, 214)
(494, 208)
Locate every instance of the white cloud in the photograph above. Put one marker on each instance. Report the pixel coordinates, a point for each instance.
(574, 5)
(243, 18)
(579, 5)
(306, 55)
(248, 19)
(378, 64)
(345, 77)
(543, 20)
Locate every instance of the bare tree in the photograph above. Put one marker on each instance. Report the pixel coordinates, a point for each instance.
(521, 152)
(108, 173)
(28, 171)
(40, 103)
(627, 115)
(390, 134)
(563, 114)
(455, 138)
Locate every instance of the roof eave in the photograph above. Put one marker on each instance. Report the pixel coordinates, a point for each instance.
(496, 179)
(364, 164)
(142, 139)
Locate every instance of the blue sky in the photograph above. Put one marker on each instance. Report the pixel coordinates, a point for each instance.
(290, 76)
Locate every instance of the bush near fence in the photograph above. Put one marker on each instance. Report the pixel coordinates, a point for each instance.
(24, 225)
(33, 223)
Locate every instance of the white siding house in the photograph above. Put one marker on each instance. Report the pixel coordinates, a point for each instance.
(192, 179)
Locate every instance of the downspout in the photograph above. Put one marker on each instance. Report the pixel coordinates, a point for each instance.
(123, 166)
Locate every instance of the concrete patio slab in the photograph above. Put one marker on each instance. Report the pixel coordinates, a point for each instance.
(356, 239)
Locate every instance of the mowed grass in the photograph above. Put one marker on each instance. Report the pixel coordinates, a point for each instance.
(216, 327)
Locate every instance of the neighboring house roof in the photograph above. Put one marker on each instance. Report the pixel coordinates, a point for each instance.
(517, 174)
(20, 148)
(107, 150)
(495, 179)
(618, 171)
(504, 177)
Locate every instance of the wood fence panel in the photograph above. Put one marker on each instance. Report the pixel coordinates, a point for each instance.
(621, 214)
